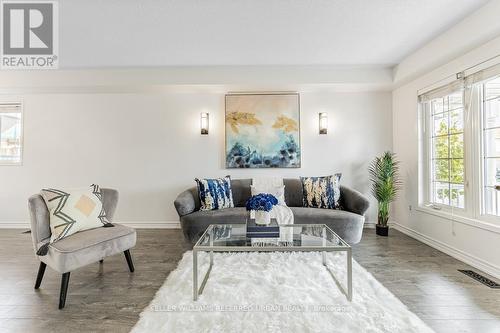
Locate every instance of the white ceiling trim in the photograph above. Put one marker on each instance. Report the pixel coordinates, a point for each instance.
(200, 78)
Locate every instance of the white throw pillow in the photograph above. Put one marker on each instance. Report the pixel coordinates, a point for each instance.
(277, 191)
(74, 210)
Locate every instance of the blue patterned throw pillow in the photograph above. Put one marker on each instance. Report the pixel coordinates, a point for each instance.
(321, 192)
(215, 193)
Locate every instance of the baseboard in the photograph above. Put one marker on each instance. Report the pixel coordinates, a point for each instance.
(15, 225)
(133, 224)
(370, 224)
(471, 260)
(152, 224)
(138, 225)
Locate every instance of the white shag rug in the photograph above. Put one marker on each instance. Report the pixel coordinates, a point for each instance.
(274, 292)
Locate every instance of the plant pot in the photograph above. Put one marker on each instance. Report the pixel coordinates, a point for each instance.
(382, 230)
(262, 217)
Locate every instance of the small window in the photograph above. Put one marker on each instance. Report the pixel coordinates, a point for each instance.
(446, 147)
(11, 133)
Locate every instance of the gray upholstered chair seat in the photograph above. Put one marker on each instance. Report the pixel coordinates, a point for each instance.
(89, 246)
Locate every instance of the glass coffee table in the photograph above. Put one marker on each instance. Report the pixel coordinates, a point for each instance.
(293, 238)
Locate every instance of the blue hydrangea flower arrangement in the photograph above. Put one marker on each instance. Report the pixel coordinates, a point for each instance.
(262, 201)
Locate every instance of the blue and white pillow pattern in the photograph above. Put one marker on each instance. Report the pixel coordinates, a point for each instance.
(321, 192)
(215, 193)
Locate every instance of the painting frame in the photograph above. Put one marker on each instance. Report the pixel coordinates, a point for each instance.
(295, 135)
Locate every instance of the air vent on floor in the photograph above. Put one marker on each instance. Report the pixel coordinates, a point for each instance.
(478, 277)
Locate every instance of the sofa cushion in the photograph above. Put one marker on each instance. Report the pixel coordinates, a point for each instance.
(277, 191)
(89, 246)
(195, 224)
(241, 191)
(347, 225)
(215, 193)
(321, 192)
(313, 215)
(293, 192)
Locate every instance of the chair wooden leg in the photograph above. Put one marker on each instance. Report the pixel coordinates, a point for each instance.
(39, 277)
(129, 260)
(64, 290)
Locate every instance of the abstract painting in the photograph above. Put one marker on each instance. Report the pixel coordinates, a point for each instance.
(263, 130)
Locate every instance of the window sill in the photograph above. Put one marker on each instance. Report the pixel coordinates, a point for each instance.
(11, 164)
(461, 219)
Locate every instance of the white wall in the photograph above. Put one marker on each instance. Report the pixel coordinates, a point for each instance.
(471, 241)
(148, 146)
(473, 31)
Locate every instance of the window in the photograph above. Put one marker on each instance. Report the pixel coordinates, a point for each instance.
(10, 133)
(445, 146)
(459, 169)
(491, 146)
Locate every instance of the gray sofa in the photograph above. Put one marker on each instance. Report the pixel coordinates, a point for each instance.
(347, 223)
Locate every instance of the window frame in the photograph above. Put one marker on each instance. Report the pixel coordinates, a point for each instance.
(21, 136)
(481, 203)
(474, 211)
(426, 174)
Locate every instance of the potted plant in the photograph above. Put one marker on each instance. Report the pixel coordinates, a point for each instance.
(262, 204)
(384, 175)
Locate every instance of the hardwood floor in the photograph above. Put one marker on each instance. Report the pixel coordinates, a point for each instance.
(107, 298)
(428, 283)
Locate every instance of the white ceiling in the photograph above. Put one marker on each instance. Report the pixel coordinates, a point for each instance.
(104, 33)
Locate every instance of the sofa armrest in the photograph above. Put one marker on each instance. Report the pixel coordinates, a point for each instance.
(353, 201)
(185, 203)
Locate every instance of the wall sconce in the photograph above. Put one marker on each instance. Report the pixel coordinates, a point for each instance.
(323, 123)
(204, 123)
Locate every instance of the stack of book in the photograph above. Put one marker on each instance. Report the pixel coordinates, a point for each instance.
(271, 230)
